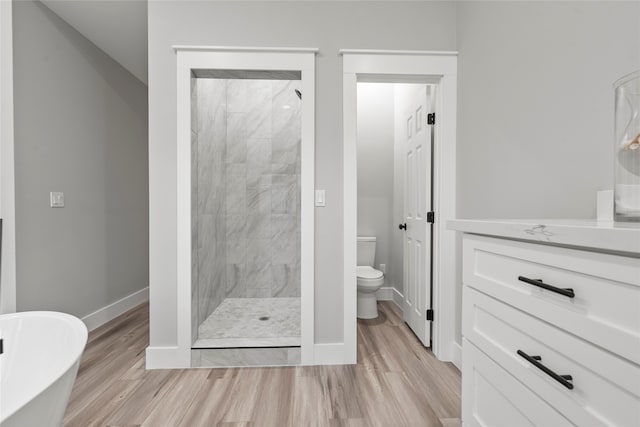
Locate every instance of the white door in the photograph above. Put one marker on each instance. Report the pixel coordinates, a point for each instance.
(417, 205)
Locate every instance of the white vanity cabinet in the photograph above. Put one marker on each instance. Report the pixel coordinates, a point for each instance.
(550, 323)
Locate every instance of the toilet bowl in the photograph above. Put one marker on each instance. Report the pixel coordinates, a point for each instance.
(369, 281)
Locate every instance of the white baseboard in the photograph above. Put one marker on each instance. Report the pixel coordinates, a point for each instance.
(385, 293)
(456, 355)
(389, 293)
(110, 312)
(329, 354)
(398, 298)
(166, 358)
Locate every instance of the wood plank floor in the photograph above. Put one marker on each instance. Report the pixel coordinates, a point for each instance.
(396, 382)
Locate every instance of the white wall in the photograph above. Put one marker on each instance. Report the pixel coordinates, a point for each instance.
(375, 169)
(80, 128)
(535, 122)
(325, 25)
(399, 155)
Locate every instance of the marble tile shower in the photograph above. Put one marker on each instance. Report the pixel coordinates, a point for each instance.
(245, 191)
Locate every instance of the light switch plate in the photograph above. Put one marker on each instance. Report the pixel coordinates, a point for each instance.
(56, 199)
(320, 199)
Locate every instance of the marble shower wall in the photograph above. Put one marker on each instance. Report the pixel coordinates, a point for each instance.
(195, 318)
(263, 188)
(245, 191)
(208, 198)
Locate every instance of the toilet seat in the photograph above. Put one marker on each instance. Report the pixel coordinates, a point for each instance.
(368, 273)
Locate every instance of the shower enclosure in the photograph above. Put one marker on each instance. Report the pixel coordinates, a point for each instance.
(244, 289)
(245, 217)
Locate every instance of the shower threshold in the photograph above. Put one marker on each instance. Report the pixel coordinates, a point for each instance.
(251, 323)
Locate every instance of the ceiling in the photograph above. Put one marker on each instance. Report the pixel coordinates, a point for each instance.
(117, 27)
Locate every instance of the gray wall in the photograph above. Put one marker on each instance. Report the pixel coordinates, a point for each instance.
(375, 169)
(536, 104)
(535, 108)
(325, 25)
(535, 123)
(80, 128)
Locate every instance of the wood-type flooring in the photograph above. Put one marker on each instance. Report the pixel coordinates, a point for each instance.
(395, 383)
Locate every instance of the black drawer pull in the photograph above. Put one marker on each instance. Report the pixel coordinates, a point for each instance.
(535, 361)
(567, 292)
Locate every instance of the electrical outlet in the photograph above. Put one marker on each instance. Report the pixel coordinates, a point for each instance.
(56, 199)
(383, 268)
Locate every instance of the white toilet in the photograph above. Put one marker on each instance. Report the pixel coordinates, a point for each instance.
(369, 279)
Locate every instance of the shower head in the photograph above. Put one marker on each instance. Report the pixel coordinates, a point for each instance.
(298, 93)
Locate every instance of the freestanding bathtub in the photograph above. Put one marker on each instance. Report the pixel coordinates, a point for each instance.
(38, 366)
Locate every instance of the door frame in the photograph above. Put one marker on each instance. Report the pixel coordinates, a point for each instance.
(244, 58)
(387, 65)
(8, 288)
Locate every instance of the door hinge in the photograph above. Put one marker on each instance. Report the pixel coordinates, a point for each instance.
(431, 118)
(430, 314)
(431, 217)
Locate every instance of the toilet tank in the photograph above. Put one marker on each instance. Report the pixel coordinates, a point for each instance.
(366, 250)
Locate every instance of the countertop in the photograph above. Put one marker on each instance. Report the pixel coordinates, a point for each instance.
(621, 237)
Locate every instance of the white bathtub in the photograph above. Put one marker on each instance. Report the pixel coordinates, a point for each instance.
(38, 366)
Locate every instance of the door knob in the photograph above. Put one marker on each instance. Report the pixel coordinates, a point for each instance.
(402, 226)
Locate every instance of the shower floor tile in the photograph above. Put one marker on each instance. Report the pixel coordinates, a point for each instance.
(237, 323)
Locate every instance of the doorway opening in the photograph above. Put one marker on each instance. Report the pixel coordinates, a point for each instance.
(245, 165)
(439, 71)
(245, 216)
(394, 181)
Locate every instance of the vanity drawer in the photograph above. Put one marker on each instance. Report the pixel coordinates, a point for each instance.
(605, 309)
(493, 398)
(605, 388)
